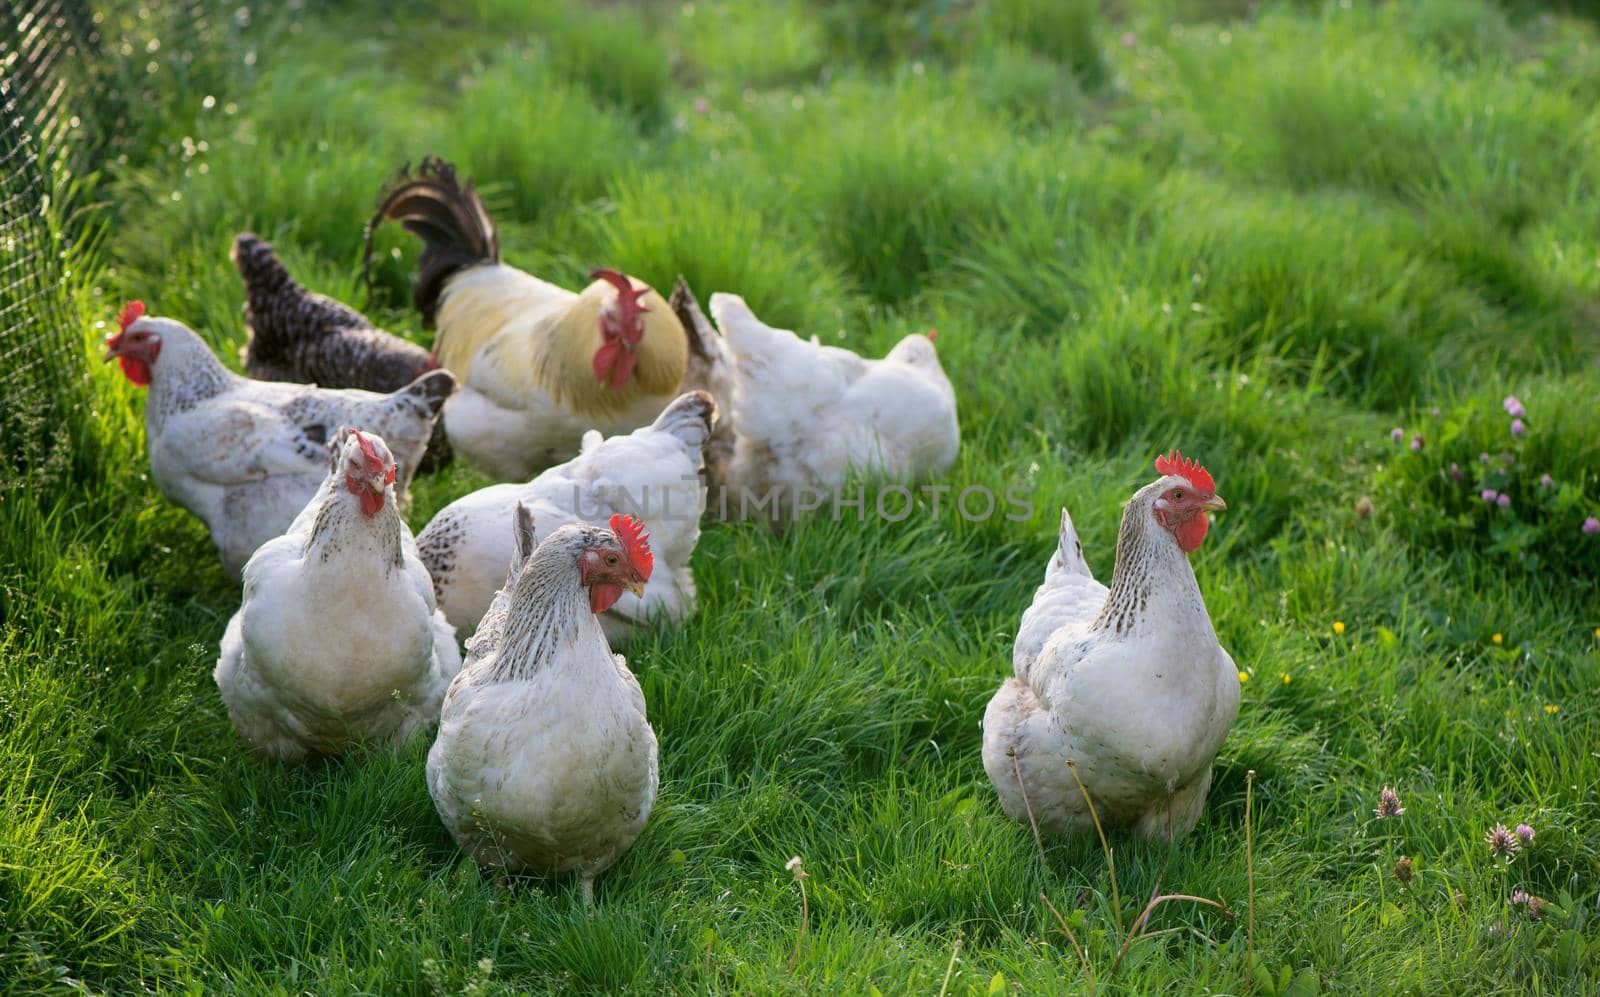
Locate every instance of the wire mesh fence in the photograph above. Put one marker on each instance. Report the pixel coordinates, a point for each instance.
(40, 346)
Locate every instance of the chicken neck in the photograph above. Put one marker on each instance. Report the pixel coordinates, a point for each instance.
(1152, 584)
(549, 616)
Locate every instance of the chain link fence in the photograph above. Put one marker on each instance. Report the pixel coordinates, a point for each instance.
(41, 357)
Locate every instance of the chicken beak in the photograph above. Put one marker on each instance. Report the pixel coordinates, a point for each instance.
(1215, 504)
(113, 345)
(636, 587)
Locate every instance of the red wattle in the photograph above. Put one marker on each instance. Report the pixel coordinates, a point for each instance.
(371, 502)
(135, 370)
(623, 369)
(605, 358)
(603, 596)
(1192, 533)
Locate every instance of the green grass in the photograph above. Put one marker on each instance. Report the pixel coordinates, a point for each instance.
(1266, 233)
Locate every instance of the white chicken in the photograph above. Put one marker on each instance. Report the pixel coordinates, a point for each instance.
(1129, 684)
(338, 641)
(245, 456)
(805, 415)
(544, 758)
(653, 473)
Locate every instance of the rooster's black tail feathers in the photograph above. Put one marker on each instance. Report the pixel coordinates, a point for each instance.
(447, 216)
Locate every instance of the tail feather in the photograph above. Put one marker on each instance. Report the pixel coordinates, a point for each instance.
(703, 338)
(452, 222)
(431, 390)
(263, 273)
(689, 418)
(1069, 549)
(524, 540)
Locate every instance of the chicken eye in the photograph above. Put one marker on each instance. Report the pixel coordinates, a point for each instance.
(611, 559)
(1177, 494)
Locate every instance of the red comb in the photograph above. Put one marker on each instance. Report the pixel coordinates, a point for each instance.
(131, 313)
(932, 334)
(629, 299)
(370, 456)
(635, 541)
(1185, 467)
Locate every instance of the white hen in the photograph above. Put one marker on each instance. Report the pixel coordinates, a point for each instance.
(544, 758)
(804, 415)
(1129, 683)
(338, 640)
(653, 472)
(244, 455)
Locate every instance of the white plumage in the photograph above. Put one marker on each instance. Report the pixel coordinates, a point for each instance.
(544, 758)
(804, 415)
(653, 473)
(243, 455)
(1129, 683)
(337, 640)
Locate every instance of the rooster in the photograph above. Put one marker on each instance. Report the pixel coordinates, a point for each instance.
(243, 455)
(539, 364)
(544, 758)
(1129, 684)
(653, 472)
(804, 415)
(338, 639)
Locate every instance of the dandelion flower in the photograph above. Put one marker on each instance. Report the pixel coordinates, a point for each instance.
(1503, 500)
(1591, 526)
(1502, 843)
(1489, 495)
(1513, 407)
(1498, 638)
(1525, 834)
(1338, 626)
(1244, 676)
(1389, 804)
(1552, 708)
(795, 866)
(1284, 676)
(1397, 434)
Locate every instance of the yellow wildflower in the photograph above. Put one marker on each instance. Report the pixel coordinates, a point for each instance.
(1338, 626)
(1551, 708)
(1498, 638)
(1244, 676)
(1284, 676)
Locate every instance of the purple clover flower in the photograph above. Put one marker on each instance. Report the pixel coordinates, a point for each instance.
(1519, 897)
(1503, 500)
(1524, 834)
(1591, 526)
(1518, 427)
(1416, 443)
(1456, 474)
(1502, 843)
(1389, 804)
(1397, 434)
(1489, 495)
(1513, 407)
(1547, 482)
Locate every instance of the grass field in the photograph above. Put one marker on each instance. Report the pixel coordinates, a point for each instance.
(1269, 237)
